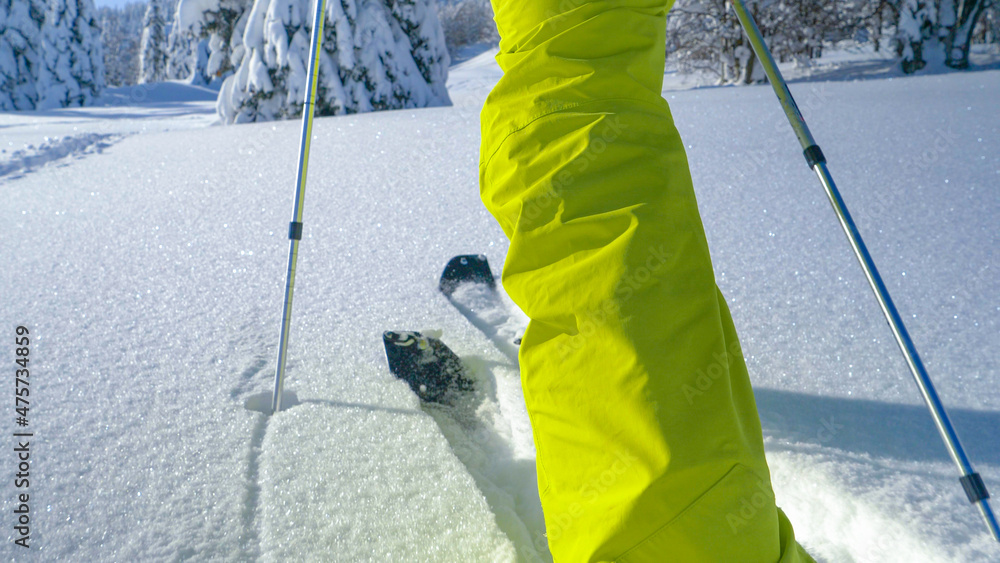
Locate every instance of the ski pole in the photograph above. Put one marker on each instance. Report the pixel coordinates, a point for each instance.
(295, 227)
(973, 484)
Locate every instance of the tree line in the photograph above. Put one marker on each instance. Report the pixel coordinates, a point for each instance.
(705, 34)
(381, 54)
(50, 54)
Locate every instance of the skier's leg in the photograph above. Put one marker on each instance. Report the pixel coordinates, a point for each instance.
(648, 440)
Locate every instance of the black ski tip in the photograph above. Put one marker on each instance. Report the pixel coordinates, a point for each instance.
(432, 370)
(466, 268)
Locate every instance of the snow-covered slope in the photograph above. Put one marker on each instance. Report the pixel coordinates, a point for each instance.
(150, 274)
(31, 140)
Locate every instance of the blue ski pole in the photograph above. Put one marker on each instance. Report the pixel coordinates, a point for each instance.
(973, 484)
(295, 227)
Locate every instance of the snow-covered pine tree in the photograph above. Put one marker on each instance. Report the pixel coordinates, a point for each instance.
(153, 49)
(180, 54)
(121, 30)
(419, 19)
(370, 84)
(377, 54)
(217, 28)
(202, 55)
(20, 52)
(72, 69)
(466, 22)
(271, 74)
(187, 55)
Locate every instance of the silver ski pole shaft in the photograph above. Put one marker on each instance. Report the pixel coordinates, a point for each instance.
(973, 484)
(295, 227)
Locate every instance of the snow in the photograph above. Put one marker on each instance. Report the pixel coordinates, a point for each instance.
(53, 149)
(150, 273)
(35, 139)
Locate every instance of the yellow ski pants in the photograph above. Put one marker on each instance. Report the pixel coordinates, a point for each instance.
(648, 439)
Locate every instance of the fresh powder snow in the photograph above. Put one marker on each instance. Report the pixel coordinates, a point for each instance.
(145, 251)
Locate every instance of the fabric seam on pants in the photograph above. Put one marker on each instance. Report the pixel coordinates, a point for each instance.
(687, 508)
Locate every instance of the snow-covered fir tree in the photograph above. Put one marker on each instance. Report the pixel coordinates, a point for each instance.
(466, 22)
(419, 19)
(216, 31)
(20, 52)
(153, 50)
(121, 31)
(180, 54)
(72, 69)
(377, 54)
(187, 55)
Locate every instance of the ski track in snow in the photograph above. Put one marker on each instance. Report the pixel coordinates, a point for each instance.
(250, 542)
(154, 296)
(53, 151)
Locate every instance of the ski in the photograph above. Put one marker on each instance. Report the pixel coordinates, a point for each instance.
(477, 401)
(432, 370)
(469, 285)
